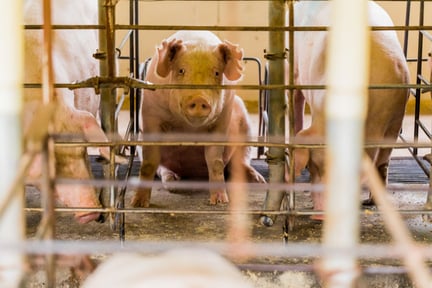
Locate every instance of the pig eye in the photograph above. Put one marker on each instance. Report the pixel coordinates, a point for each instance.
(181, 71)
(217, 73)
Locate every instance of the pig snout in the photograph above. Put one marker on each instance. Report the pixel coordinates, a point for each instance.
(197, 107)
(80, 197)
(86, 217)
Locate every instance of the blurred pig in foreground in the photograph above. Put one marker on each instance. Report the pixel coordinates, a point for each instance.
(72, 61)
(194, 58)
(182, 268)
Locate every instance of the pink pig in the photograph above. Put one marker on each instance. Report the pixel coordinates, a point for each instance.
(193, 57)
(386, 107)
(72, 61)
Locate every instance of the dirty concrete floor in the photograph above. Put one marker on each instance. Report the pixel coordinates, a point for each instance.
(183, 227)
(213, 227)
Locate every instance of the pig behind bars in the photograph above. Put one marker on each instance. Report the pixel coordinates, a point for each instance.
(178, 268)
(193, 57)
(385, 108)
(72, 61)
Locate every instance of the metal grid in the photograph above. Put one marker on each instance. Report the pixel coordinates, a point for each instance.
(109, 80)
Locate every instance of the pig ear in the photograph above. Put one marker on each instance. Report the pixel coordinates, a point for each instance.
(93, 132)
(232, 56)
(166, 54)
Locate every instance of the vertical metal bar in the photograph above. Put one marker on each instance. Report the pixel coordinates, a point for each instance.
(132, 43)
(48, 223)
(108, 64)
(12, 223)
(347, 71)
(289, 222)
(48, 151)
(418, 80)
(108, 95)
(407, 22)
(277, 107)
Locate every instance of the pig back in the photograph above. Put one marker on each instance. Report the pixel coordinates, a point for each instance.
(72, 51)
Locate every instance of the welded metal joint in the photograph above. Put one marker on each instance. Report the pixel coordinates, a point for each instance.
(276, 56)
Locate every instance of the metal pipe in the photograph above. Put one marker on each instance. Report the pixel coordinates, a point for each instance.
(48, 165)
(277, 108)
(418, 72)
(347, 79)
(220, 28)
(12, 223)
(107, 64)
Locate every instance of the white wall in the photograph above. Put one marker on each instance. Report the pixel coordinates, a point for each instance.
(241, 13)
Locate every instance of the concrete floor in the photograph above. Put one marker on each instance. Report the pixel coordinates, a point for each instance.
(213, 227)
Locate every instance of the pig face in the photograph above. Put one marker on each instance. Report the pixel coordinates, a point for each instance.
(196, 64)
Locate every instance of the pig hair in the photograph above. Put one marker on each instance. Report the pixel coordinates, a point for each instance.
(232, 56)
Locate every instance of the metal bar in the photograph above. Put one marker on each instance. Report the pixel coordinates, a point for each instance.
(12, 222)
(48, 152)
(407, 22)
(311, 250)
(117, 82)
(289, 222)
(347, 71)
(219, 28)
(277, 106)
(418, 72)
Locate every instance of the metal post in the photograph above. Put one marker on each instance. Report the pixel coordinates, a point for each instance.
(108, 63)
(277, 107)
(108, 95)
(11, 78)
(346, 98)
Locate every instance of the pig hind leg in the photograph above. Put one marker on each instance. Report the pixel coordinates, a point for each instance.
(381, 157)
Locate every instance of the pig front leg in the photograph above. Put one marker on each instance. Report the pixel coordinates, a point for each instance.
(149, 165)
(216, 165)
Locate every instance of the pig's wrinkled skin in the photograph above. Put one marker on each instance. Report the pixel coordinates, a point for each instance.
(180, 268)
(386, 107)
(72, 61)
(192, 57)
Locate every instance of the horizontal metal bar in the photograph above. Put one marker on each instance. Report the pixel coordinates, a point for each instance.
(172, 140)
(274, 249)
(102, 82)
(219, 28)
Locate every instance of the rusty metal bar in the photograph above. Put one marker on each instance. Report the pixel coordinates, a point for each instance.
(277, 108)
(48, 152)
(290, 221)
(125, 82)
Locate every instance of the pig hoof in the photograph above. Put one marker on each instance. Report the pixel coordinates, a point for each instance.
(218, 198)
(266, 221)
(138, 202)
(427, 217)
(101, 218)
(368, 202)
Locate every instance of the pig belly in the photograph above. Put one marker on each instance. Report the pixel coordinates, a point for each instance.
(188, 162)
